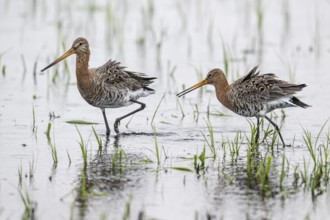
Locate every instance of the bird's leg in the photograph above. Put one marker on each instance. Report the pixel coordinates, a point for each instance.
(106, 121)
(131, 113)
(277, 129)
(257, 134)
(116, 142)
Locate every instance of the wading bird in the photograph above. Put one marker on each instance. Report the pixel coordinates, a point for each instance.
(253, 95)
(108, 86)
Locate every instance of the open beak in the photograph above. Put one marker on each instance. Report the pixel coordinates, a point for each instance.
(68, 53)
(200, 84)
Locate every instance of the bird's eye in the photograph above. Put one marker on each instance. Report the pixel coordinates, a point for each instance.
(80, 44)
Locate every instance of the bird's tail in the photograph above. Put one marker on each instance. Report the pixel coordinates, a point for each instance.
(292, 88)
(299, 103)
(300, 86)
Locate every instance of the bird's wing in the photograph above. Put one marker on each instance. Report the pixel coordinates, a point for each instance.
(253, 73)
(115, 76)
(260, 89)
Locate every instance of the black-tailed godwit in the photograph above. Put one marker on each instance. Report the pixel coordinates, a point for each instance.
(108, 86)
(253, 95)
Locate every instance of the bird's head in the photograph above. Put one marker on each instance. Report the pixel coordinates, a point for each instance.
(79, 46)
(213, 77)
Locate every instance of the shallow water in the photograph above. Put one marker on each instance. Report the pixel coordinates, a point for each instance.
(174, 41)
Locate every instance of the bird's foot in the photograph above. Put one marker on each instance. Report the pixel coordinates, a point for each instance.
(108, 133)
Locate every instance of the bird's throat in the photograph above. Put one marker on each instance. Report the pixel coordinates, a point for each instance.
(82, 65)
(222, 90)
(83, 73)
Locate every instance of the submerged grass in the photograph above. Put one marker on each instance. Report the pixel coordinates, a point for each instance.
(199, 161)
(83, 149)
(263, 174)
(117, 161)
(156, 110)
(156, 147)
(184, 169)
(34, 128)
(180, 107)
(83, 186)
(51, 145)
(228, 178)
(210, 143)
(49, 126)
(283, 171)
(20, 175)
(234, 146)
(54, 153)
(69, 157)
(127, 212)
(4, 70)
(312, 147)
(98, 139)
(32, 168)
(29, 205)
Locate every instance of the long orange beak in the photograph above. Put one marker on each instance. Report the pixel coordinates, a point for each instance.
(200, 84)
(68, 53)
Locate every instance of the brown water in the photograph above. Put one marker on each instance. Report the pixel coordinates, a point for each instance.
(156, 37)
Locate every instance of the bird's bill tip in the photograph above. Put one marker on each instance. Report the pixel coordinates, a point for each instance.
(200, 84)
(68, 53)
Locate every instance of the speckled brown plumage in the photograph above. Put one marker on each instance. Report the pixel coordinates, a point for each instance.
(108, 86)
(256, 95)
(253, 95)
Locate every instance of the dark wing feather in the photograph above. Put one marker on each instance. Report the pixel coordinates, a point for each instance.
(258, 89)
(250, 75)
(115, 76)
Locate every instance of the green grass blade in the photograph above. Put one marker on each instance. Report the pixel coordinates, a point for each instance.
(81, 122)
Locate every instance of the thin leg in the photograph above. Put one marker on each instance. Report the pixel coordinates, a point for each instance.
(131, 113)
(116, 142)
(257, 134)
(106, 121)
(277, 129)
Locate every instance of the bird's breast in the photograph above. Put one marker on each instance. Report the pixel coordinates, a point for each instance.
(106, 98)
(248, 110)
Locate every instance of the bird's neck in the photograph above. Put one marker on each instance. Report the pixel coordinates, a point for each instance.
(222, 89)
(82, 73)
(82, 65)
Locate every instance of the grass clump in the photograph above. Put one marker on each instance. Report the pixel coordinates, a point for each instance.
(199, 161)
(29, 205)
(210, 143)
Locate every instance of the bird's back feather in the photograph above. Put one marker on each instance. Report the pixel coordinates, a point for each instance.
(112, 86)
(255, 93)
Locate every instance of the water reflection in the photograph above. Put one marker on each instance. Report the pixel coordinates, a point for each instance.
(109, 176)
